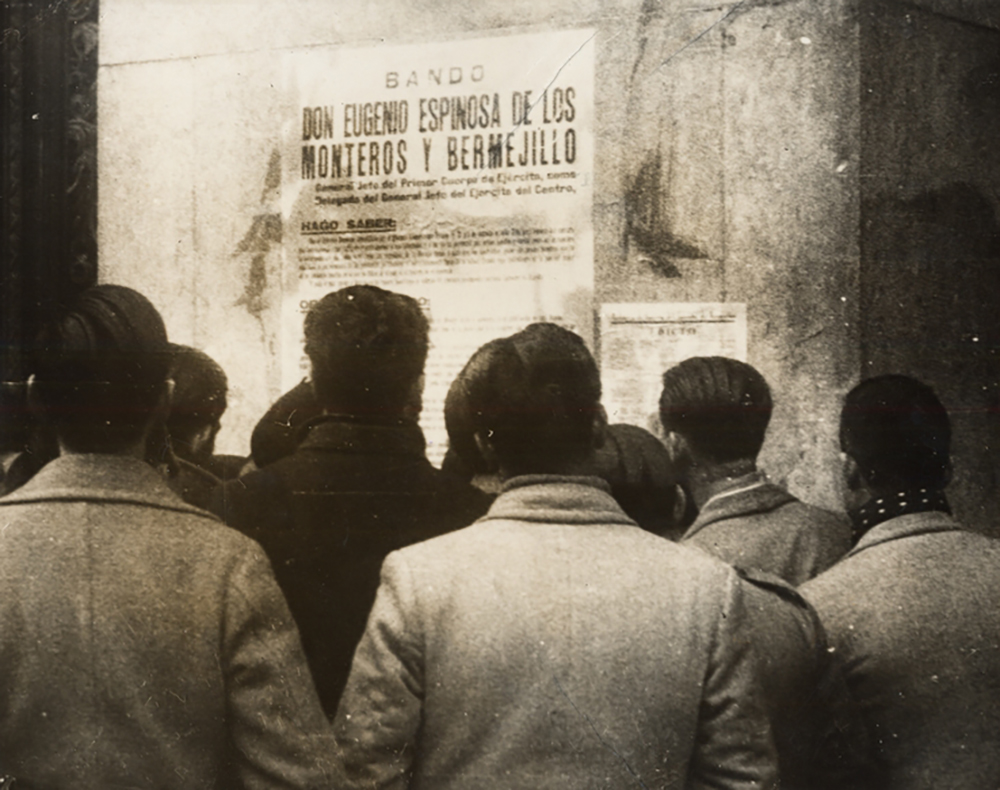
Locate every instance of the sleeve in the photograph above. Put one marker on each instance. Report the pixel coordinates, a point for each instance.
(846, 751)
(379, 716)
(734, 748)
(278, 732)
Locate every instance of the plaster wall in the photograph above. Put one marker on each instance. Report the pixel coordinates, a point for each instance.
(930, 233)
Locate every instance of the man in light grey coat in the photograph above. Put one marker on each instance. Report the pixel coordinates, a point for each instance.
(912, 610)
(715, 412)
(143, 644)
(553, 643)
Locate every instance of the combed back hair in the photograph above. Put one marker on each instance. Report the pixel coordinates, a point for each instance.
(100, 369)
(535, 395)
(367, 347)
(200, 389)
(459, 421)
(898, 432)
(720, 405)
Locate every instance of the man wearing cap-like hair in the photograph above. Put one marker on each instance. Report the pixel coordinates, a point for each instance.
(143, 643)
(912, 610)
(715, 412)
(554, 643)
(195, 418)
(358, 483)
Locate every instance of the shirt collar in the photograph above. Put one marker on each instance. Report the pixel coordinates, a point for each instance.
(898, 503)
(736, 485)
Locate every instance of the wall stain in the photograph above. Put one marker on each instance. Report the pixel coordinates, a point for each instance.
(265, 230)
(646, 229)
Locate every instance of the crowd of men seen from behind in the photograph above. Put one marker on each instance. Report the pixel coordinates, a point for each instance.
(563, 604)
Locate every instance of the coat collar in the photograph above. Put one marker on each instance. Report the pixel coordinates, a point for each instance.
(344, 436)
(557, 499)
(743, 496)
(100, 478)
(905, 527)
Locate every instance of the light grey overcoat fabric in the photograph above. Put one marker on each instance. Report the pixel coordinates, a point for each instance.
(821, 740)
(914, 611)
(143, 644)
(555, 644)
(752, 523)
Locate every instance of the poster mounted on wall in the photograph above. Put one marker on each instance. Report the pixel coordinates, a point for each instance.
(639, 342)
(460, 173)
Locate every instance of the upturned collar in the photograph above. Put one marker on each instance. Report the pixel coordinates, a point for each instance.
(558, 499)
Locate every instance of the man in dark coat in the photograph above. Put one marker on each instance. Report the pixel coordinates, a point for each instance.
(715, 412)
(358, 485)
(912, 610)
(554, 643)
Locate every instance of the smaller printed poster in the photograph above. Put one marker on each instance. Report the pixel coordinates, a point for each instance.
(640, 341)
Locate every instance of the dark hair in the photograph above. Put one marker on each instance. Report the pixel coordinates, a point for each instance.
(535, 394)
(638, 468)
(721, 406)
(200, 388)
(459, 420)
(367, 347)
(100, 369)
(898, 432)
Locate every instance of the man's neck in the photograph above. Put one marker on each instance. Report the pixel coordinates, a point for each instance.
(707, 478)
(137, 450)
(581, 467)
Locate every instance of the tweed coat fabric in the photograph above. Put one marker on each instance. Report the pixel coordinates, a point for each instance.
(329, 513)
(144, 644)
(821, 739)
(752, 523)
(555, 644)
(913, 613)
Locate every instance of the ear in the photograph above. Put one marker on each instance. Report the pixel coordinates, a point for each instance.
(599, 428)
(202, 438)
(486, 449)
(158, 417)
(677, 448)
(853, 478)
(34, 399)
(167, 398)
(680, 505)
(855, 491)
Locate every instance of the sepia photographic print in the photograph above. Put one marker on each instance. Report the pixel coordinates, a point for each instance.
(500, 394)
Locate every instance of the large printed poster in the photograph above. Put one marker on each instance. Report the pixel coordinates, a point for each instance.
(460, 173)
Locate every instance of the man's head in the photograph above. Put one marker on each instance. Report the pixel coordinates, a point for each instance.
(532, 400)
(897, 433)
(100, 371)
(367, 347)
(719, 406)
(199, 401)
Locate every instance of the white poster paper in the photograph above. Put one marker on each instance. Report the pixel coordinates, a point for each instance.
(459, 173)
(641, 341)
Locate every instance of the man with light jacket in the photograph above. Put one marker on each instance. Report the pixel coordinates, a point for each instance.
(553, 643)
